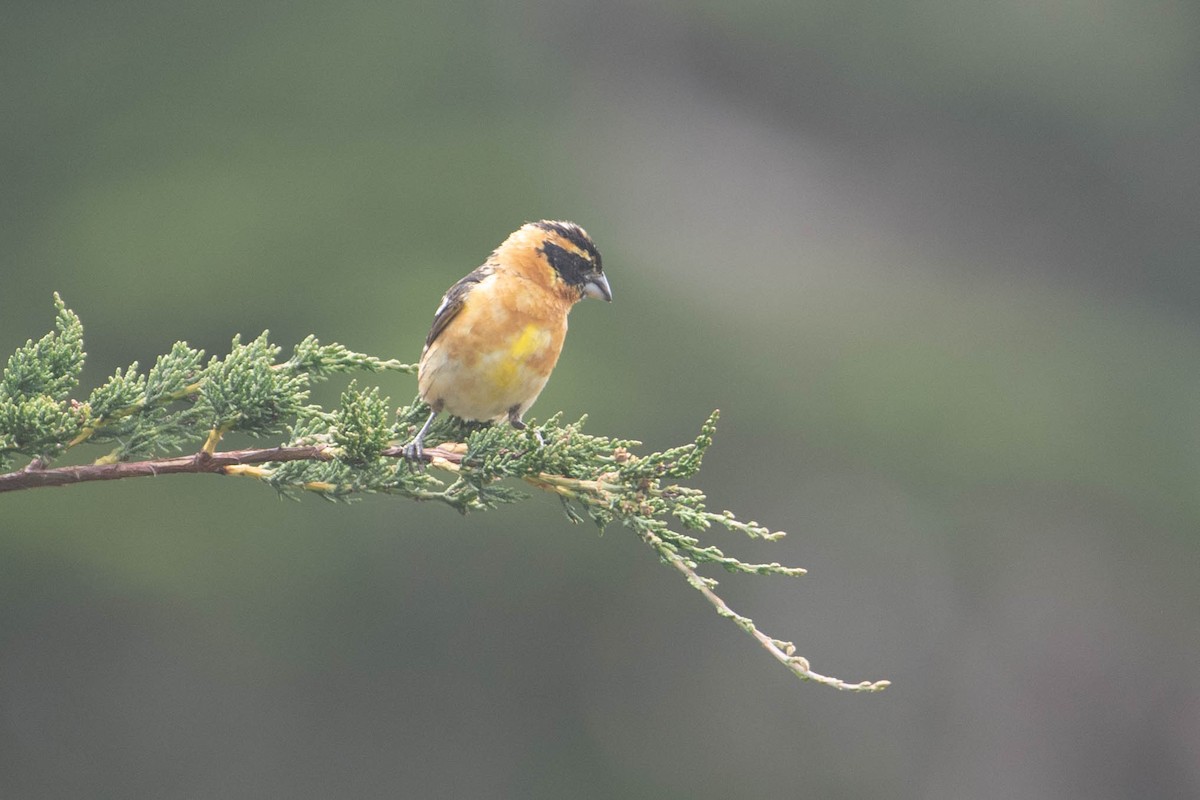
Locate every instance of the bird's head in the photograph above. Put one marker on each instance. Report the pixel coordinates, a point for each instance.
(569, 251)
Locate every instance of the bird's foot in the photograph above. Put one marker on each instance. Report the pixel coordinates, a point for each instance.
(414, 453)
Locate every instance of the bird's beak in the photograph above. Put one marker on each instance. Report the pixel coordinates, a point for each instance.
(597, 288)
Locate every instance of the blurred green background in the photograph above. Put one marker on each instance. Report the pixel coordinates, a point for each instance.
(937, 263)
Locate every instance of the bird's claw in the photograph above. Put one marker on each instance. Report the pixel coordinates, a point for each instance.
(414, 453)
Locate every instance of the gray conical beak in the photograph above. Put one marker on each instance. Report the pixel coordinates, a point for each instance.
(597, 288)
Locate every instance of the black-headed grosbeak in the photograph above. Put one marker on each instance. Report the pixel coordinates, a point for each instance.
(498, 332)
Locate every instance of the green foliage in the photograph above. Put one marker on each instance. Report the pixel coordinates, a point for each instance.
(35, 415)
(360, 427)
(49, 367)
(35, 425)
(134, 411)
(356, 449)
(173, 375)
(245, 392)
(322, 360)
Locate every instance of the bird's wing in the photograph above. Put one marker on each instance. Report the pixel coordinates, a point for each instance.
(452, 301)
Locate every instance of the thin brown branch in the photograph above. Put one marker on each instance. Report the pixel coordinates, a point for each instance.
(34, 477)
(783, 652)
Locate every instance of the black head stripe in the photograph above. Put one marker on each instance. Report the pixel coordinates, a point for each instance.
(575, 235)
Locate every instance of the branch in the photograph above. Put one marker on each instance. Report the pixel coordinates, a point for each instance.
(223, 463)
(781, 651)
(346, 452)
(235, 462)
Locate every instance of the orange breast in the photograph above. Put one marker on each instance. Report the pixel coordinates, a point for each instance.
(497, 353)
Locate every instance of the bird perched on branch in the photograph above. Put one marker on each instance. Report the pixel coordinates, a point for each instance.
(497, 334)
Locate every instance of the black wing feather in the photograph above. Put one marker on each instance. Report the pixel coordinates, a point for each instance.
(452, 301)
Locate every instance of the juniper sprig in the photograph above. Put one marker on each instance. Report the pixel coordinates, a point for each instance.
(184, 402)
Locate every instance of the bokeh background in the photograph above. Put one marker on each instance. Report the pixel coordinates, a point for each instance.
(937, 263)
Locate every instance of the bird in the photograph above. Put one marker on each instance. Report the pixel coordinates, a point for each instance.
(498, 332)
